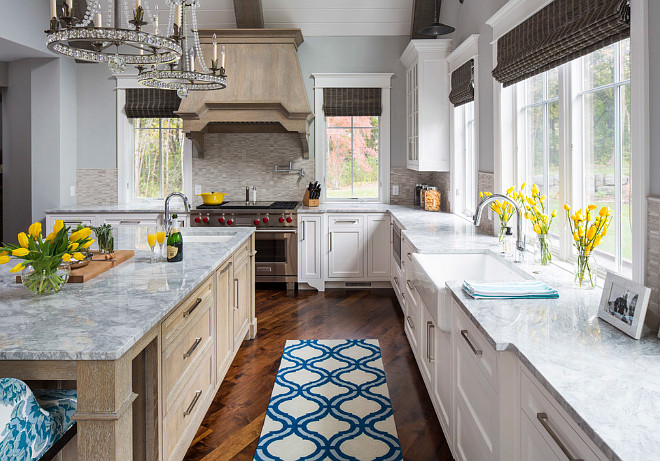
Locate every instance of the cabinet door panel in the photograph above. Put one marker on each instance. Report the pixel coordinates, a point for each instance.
(533, 446)
(242, 294)
(346, 253)
(378, 246)
(224, 318)
(443, 381)
(310, 249)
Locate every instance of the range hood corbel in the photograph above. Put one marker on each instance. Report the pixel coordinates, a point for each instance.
(265, 89)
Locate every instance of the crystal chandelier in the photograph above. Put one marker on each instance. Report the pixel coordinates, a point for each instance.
(112, 33)
(183, 76)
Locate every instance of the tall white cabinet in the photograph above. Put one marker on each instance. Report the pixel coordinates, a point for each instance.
(427, 104)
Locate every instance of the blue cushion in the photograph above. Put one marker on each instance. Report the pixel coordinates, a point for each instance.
(31, 423)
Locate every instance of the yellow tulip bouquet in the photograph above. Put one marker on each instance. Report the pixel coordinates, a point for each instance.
(44, 256)
(587, 234)
(503, 210)
(535, 211)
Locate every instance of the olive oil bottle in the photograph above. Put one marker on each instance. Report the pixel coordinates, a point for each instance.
(174, 243)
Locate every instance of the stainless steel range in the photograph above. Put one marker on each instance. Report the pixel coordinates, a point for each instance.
(275, 222)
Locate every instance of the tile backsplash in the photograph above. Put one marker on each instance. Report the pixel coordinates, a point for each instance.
(486, 183)
(407, 179)
(96, 187)
(233, 161)
(652, 272)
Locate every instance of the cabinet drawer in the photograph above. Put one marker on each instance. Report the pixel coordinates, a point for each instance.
(562, 436)
(346, 221)
(242, 253)
(189, 408)
(471, 340)
(184, 351)
(183, 315)
(406, 257)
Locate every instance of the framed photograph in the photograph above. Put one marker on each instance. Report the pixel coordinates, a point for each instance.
(623, 304)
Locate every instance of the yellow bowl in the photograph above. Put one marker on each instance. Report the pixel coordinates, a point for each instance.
(212, 198)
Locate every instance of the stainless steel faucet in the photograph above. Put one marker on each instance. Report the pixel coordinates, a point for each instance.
(491, 198)
(168, 217)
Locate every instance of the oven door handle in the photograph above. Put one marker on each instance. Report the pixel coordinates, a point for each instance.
(279, 231)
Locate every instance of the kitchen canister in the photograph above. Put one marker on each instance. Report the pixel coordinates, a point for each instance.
(422, 195)
(432, 199)
(418, 188)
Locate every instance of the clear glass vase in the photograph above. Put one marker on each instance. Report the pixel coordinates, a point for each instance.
(542, 253)
(585, 272)
(503, 227)
(45, 280)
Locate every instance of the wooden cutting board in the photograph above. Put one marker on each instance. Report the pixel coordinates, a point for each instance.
(96, 266)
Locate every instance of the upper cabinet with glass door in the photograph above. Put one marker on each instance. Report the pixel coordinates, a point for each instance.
(427, 104)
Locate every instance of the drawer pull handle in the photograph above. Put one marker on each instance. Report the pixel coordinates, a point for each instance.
(410, 322)
(396, 281)
(226, 268)
(130, 221)
(476, 351)
(429, 336)
(543, 419)
(409, 256)
(411, 286)
(345, 221)
(235, 294)
(303, 231)
(190, 408)
(198, 301)
(192, 348)
(330, 241)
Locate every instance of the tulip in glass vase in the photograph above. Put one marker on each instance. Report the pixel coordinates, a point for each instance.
(504, 212)
(587, 234)
(44, 262)
(535, 211)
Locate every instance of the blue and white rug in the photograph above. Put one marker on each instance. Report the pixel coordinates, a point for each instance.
(330, 402)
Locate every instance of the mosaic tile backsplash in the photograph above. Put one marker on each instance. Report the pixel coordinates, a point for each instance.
(96, 187)
(407, 179)
(233, 161)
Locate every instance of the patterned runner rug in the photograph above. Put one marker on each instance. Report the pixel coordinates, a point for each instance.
(330, 402)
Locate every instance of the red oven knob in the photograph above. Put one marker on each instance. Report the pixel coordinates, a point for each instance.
(230, 222)
(256, 222)
(266, 220)
(281, 220)
(206, 219)
(221, 220)
(198, 220)
(289, 220)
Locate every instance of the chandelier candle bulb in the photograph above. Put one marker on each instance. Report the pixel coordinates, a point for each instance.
(192, 60)
(223, 57)
(70, 5)
(215, 48)
(98, 20)
(155, 20)
(138, 4)
(177, 17)
(53, 8)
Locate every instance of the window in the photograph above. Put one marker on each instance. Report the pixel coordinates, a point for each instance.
(595, 165)
(352, 157)
(157, 157)
(539, 125)
(352, 136)
(465, 157)
(604, 99)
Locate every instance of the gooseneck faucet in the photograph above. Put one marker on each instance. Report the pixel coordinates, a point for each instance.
(168, 217)
(491, 198)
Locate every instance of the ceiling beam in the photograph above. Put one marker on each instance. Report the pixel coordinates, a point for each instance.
(422, 16)
(249, 14)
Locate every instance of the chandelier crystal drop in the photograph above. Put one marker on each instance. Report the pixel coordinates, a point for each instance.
(183, 75)
(106, 35)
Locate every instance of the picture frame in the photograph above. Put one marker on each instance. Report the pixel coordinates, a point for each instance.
(623, 304)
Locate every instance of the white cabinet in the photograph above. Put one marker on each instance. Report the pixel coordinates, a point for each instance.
(310, 250)
(427, 108)
(346, 245)
(442, 383)
(114, 219)
(243, 295)
(379, 241)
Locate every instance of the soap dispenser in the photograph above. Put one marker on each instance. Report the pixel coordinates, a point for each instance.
(509, 245)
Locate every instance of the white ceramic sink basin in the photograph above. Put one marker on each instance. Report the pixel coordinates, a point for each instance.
(207, 238)
(433, 271)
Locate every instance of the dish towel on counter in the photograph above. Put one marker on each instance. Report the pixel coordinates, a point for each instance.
(526, 289)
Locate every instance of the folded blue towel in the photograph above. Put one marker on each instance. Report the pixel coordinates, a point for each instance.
(526, 289)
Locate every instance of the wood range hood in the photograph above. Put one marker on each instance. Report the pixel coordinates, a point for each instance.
(265, 90)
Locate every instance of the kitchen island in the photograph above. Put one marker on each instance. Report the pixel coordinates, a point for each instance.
(147, 344)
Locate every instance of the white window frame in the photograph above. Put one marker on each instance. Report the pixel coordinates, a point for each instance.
(375, 80)
(125, 140)
(468, 49)
(505, 133)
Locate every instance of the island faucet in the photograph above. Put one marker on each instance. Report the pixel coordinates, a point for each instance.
(168, 217)
(519, 234)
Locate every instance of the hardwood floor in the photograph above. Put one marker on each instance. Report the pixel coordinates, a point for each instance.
(233, 423)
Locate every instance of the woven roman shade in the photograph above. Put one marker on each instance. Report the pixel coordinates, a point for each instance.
(560, 32)
(151, 103)
(356, 102)
(462, 84)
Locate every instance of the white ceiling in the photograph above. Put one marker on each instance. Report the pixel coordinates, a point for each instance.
(314, 17)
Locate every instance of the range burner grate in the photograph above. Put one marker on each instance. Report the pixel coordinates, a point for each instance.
(250, 206)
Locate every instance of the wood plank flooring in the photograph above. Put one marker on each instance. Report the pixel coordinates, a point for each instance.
(231, 428)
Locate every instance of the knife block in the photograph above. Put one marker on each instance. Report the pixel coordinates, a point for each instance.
(310, 201)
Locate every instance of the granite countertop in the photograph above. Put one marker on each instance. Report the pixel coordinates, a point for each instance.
(608, 382)
(103, 318)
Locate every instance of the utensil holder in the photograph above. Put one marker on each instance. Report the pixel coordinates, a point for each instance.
(310, 201)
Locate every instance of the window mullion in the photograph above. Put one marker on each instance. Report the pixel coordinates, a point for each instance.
(618, 139)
